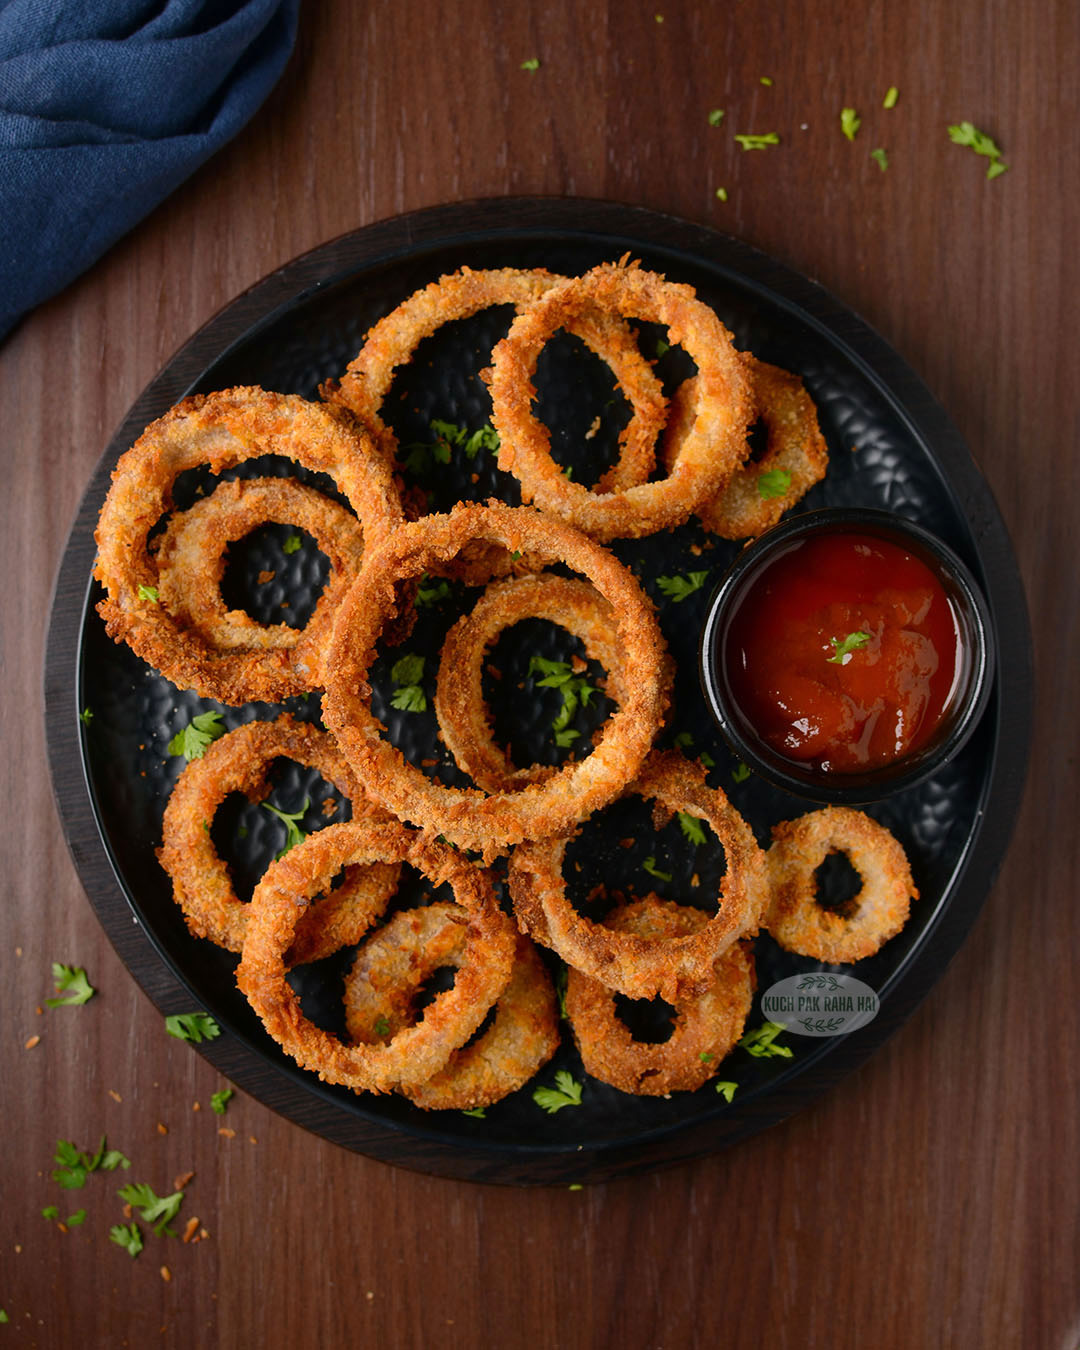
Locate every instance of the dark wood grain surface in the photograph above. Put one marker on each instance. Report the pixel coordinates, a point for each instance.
(932, 1198)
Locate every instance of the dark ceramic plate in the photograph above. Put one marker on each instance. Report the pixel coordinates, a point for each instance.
(891, 446)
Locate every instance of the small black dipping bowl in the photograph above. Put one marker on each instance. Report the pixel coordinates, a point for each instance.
(961, 715)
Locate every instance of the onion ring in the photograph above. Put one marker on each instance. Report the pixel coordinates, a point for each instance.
(222, 429)
(467, 817)
(712, 450)
(238, 762)
(191, 565)
(640, 967)
(707, 1024)
(416, 1052)
(394, 339)
(389, 970)
(795, 447)
(464, 719)
(877, 913)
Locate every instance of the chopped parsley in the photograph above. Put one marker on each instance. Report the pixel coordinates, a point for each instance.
(679, 587)
(566, 1092)
(50, 1212)
(880, 158)
(773, 483)
(740, 773)
(406, 674)
(662, 348)
(850, 122)
(290, 819)
(73, 985)
(575, 689)
(766, 81)
(448, 436)
(382, 1027)
(727, 1090)
(758, 142)
(75, 1165)
(427, 596)
(128, 1236)
(194, 740)
(716, 117)
(761, 1041)
(965, 133)
(477, 1113)
(721, 194)
(843, 647)
(649, 865)
(891, 95)
(4, 1319)
(684, 740)
(149, 593)
(86, 717)
(292, 544)
(691, 826)
(533, 63)
(195, 1027)
(74, 1220)
(153, 1209)
(219, 1101)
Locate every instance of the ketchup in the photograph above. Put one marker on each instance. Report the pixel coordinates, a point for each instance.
(843, 652)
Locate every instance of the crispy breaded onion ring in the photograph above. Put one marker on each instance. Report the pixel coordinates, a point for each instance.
(713, 448)
(467, 817)
(221, 430)
(393, 340)
(707, 1024)
(191, 565)
(644, 967)
(464, 718)
(877, 913)
(416, 1052)
(239, 762)
(388, 974)
(795, 446)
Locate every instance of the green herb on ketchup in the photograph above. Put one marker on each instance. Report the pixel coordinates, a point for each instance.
(843, 647)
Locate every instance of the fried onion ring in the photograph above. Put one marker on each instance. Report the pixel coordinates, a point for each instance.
(416, 1052)
(239, 762)
(389, 971)
(712, 450)
(394, 339)
(191, 565)
(877, 913)
(795, 447)
(464, 719)
(644, 967)
(707, 1025)
(223, 429)
(467, 817)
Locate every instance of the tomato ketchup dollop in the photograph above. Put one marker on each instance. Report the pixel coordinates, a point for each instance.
(844, 652)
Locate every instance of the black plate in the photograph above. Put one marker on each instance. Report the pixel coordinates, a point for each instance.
(891, 446)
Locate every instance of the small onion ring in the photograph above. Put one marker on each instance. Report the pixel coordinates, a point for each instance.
(712, 450)
(416, 1052)
(464, 719)
(222, 429)
(191, 565)
(393, 340)
(467, 817)
(795, 445)
(877, 913)
(202, 887)
(388, 972)
(638, 967)
(707, 1025)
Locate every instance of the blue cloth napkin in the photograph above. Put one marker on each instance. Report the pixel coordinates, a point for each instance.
(106, 106)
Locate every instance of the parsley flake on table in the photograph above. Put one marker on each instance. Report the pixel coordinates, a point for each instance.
(880, 158)
(740, 773)
(533, 63)
(891, 95)
(761, 1042)
(477, 1113)
(649, 865)
(773, 483)
(195, 1027)
(721, 194)
(431, 594)
(406, 674)
(4, 1319)
(74, 987)
(74, 1220)
(765, 81)
(727, 1090)
(50, 1212)
(566, 1092)
(292, 544)
(219, 1101)
(691, 826)
(86, 717)
(850, 122)
(290, 819)
(128, 1236)
(194, 740)
(677, 588)
(75, 1165)
(843, 647)
(716, 117)
(762, 141)
(965, 133)
(149, 593)
(154, 1209)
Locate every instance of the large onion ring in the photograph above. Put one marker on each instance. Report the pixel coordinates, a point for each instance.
(393, 340)
(877, 913)
(221, 430)
(707, 1025)
(202, 887)
(468, 817)
(191, 565)
(388, 973)
(640, 967)
(416, 1052)
(795, 446)
(712, 450)
(464, 719)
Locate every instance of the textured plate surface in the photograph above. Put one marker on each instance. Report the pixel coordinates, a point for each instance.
(890, 446)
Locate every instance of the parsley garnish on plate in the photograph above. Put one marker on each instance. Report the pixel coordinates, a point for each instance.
(850, 122)
(219, 1101)
(86, 717)
(740, 773)
(843, 647)
(128, 1236)
(965, 133)
(761, 1042)
(477, 1113)
(566, 1092)
(193, 741)
(575, 690)
(290, 819)
(195, 1027)
(677, 588)
(727, 1090)
(649, 865)
(430, 593)
(73, 985)
(750, 141)
(406, 674)
(773, 483)
(292, 544)
(691, 826)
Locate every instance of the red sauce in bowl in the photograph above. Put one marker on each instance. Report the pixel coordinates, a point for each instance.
(844, 652)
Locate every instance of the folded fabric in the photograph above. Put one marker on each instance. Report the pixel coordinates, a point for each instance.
(106, 106)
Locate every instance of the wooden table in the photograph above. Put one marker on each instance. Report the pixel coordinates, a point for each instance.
(931, 1198)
